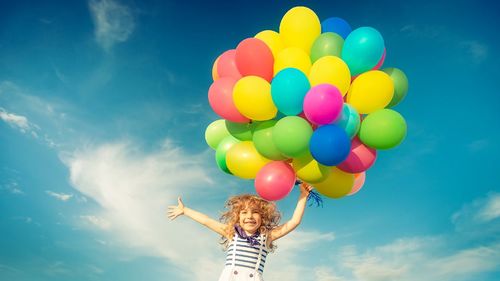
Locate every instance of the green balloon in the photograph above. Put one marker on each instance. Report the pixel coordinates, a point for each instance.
(215, 132)
(220, 154)
(383, 129)
(291, 135)
(327, 44)
(263, 140)
(400, 84)
(241, 131)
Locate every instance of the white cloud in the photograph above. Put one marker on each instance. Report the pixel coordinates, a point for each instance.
(97, 221)
(59, 196)
(477, 218)
(12, 187)
(133, 190)
(17, 121)
(490, 210)
(477, 50)
(113, 21)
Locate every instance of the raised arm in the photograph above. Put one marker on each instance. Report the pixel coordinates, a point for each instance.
(290, 225)
(180, 209)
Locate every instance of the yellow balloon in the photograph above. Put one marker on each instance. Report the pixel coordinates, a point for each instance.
(244, 161)
(292, 57)
(338, 184)
(272, 40)
(371, 91)
(252, 97)
(299, 27)
(215, 74)
(309, 170)
(331, 70)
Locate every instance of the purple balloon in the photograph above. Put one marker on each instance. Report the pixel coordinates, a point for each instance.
(323, 104)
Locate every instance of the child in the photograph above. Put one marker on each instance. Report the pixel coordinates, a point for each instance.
(248, 229)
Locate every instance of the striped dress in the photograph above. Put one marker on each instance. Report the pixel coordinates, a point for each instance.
(244, 261)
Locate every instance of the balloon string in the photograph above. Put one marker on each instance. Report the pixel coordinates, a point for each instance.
(313, 198)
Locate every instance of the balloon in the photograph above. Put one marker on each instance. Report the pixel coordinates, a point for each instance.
(215, 132)
(349, 120)
(338, 184)
(400, 84)
(309, 170)
(291, 135)
(263, 140)
(215, 74)
(253, 57)
(244, 161)
(329, 145)
(336, 25)
(370, 91)
(323, 104)
(331, 70)
(252, 97)
(275, 180)
(272, 40)
(359, 180)
(383, 129)
(362, 49)
(226, 65)
(241, 131)
(288, 89)
(292, 57)
(220, 97)
(360, 158)
(380, 62)
(299, 27)
(221, 152)
(327, 44)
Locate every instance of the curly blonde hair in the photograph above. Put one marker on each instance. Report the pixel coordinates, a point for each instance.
(267, 210)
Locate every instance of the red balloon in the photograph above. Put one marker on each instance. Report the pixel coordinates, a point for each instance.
(226, 66)
(275, 180)
(220, 97)
(253, 57)
(360, 159)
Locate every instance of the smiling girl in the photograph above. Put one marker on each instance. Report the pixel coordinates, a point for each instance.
(248, 229)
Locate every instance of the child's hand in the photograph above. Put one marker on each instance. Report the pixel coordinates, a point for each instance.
(175, 211)
(305, 189)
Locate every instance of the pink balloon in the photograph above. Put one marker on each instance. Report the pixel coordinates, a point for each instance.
(220, 97)
(360, 159)
(359, 181)
(275, 180)
(226, 66)
(323, 104)
(253, 57)
(380, 62)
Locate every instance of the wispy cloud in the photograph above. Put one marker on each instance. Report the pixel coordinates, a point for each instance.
(18, 122)
(59, 196)
(114, 22)
(133, 189)
(477, 50)
(96, 221)
(474, 218)
(12, 187)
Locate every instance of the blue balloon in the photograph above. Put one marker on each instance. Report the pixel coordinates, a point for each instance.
(349, 120)
(330, 145)
(337, 25)
(288, 89)
(362, 49)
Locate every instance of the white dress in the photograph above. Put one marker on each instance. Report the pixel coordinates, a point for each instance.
(245, 262)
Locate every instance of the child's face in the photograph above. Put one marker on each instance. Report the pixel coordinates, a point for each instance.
(250, 219)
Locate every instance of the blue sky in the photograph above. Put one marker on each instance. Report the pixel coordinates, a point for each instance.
(103, 108)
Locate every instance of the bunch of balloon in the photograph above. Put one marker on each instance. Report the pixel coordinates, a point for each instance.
(310, 102)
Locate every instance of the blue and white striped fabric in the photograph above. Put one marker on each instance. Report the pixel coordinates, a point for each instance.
(244, 261)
